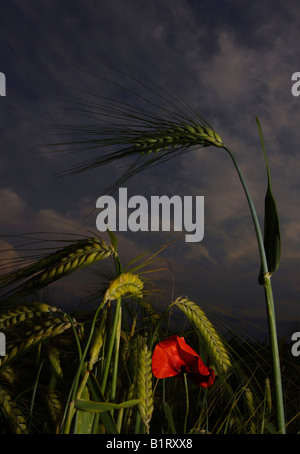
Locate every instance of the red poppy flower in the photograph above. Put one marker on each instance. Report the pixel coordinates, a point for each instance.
(173, 356)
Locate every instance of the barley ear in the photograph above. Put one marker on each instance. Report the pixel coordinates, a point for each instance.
(9, 317)
(12, 413)
(174, 136)
(54, 358)
(215, 346)
(53, 401)
(8, 374)
(63, 262)
(144, 386)
(268, 398)
(125, 284)
(38, 333)
(251, 408)
(153, 315)
(97, 342)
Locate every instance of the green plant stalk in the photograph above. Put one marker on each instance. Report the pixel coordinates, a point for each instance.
(81, 390)
(138, 424)
(116, 327)
(75, 335)
(269, 304)
(202, 403)
(116, 355)
(34, 394)
(120, 419)
(226, 422)
(187, 403)
(262, 428)
(111, 345)
(80, 370)
(275, 355)
(71, 392)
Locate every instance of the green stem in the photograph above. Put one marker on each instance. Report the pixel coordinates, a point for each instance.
(269, 304)
(111, 345)
(187, 403)
(34, 394)
(116, 355)
(137, 423)
(75, 335)
(114, 337)
(80, 370)
(275, 355)
(259, 237)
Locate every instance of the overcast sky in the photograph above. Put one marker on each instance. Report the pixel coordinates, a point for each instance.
(231, 60)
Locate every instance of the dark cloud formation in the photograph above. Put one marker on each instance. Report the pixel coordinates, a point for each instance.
(230, 61)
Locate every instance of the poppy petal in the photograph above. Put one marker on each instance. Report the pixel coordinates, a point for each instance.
(173, 356)
(204, 381)
(193, 362)
(166, 361)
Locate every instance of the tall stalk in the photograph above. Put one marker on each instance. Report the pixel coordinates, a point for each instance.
(269, 304)
(187, 403)
(112, 342)
(115, 334)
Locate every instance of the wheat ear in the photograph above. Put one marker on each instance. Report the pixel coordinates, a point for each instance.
(51, 327)
(144, 386)
(251, 408)
(21, 313)
(54, 358)
(125, 129)
(98, 341)
(214, 345)
(268, 397)
(184, 135)
(57, 265)
(52, 399)
(8, 375)
(154, 316)
(124, 284)
(12, 413)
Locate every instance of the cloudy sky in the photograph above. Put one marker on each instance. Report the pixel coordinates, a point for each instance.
(231, 60)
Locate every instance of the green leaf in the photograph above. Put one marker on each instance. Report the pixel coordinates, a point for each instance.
(114, 242)
(113, 239)
(92, 406)
(169, 416)
(272, 242)
(270, 428)
(106, 417)
(84, 419)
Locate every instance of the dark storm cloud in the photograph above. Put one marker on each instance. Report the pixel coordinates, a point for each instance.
(231, 62)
